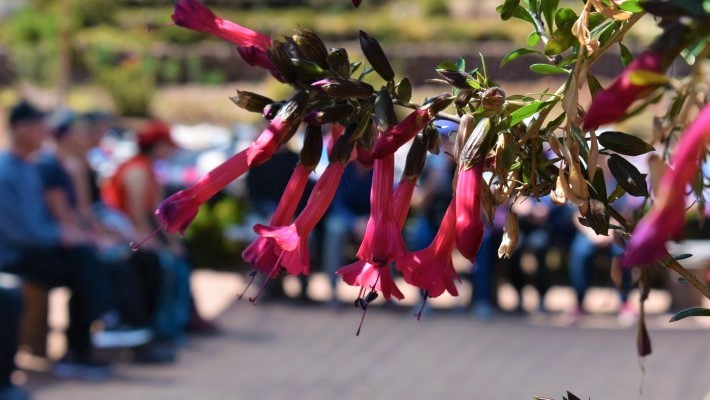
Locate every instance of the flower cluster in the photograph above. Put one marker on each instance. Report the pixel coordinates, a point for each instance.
(491, 133)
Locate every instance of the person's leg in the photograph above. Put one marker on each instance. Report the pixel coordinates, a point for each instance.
(92, 296)
(481, 278)
(337, 228)
(581, 257)
(10, 307)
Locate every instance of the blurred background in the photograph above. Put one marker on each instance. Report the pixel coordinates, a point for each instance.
(530, 333)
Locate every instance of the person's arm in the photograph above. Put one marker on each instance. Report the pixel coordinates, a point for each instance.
(137, 183)
(79, 175)
(23, 222)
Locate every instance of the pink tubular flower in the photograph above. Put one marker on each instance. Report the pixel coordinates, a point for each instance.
(258, 57)
(383, 239)
(362, 273)
(194, 15)
(285, 122)
(469, 226)
(292, 240)
(261, 253)
(610, 104)
(665, 219)
(401, 133)
(177, 211)
(432, 269)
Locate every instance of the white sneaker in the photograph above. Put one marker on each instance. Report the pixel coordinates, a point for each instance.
(121, 337)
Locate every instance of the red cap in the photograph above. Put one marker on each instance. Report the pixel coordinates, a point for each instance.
(153, 133)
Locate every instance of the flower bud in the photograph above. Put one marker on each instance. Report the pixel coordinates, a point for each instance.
(458, 79)
(510, 236)
(328, 115)
(281, 60)
(311, 46)
(474, 148)
(337, 87)
(312, 147)
(385, 117)
(416, 157)
(339, 62)
(271, 110)
(376, 56)
(437, 104)
(432, 138)
(493, 98)
(343, 147)
(251, 101)
(557, 196)
(488, 204)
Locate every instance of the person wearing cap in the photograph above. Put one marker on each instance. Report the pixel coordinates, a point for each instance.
(134, 190)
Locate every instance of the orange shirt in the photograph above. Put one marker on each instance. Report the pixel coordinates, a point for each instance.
(115, 193)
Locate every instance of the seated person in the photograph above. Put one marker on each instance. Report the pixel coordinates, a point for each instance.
(43, 251)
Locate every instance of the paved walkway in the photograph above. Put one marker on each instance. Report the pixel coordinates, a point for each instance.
(277, 351)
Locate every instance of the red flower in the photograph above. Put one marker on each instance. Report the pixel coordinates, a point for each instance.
(377, 278)
(469, 226)
(383, 242)
(292, 240)
(194, 15)
(262, 254)
(401, 133)
(258, 57)
(432, 269)
(177, 211)
(610, 104)
(285, 122)
(666, 218)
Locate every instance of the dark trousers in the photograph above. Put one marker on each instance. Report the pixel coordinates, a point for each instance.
(136, 284)
(10, 304)
(80, 269)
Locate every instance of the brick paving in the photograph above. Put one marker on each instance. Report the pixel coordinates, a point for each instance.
(280, 351)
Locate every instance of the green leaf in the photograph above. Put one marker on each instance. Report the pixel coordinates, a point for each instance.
(691, 312)
(404, 90)
(533, 39)
(616, 194)
(626, 56)
(647, 78)
(631, 6)
(526, 111)
(508, 8)
(597, 214)
(608, 31)
(461, 64)
(565, 17)
(448, 65)
(593, 83)
(548, 8)
(522, 13)
(624, 143)
(627, 176)
(547, 69)
(517, 53)
(473, 83)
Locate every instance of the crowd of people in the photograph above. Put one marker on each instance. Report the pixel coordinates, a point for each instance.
(60, 228)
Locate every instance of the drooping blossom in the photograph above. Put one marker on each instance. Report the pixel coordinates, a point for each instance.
(469, 225)
(292, 239)
(383, 241)
(665, 219)
(194, 15)
(610, 104)
(286, 121)
(432, 269)
(401, 133)
(177, 211)
(261, 253)
(258, 57)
